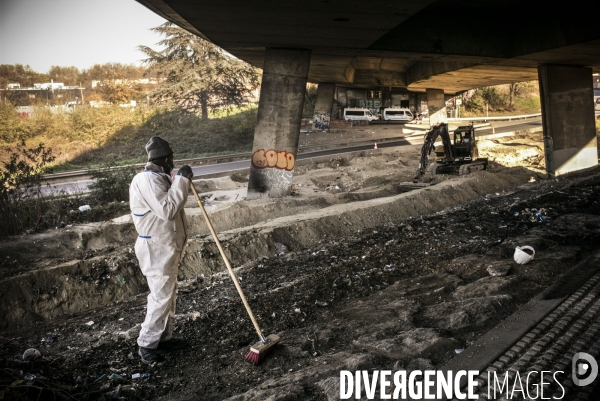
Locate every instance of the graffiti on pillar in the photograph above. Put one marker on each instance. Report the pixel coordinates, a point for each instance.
(271, 158)
(321, 120)
(273, 178)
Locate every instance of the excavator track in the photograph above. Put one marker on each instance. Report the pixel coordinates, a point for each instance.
(472, 167)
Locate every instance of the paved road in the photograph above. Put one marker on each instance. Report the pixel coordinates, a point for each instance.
(499, 127)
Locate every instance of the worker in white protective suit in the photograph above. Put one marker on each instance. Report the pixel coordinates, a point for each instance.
(157, 200)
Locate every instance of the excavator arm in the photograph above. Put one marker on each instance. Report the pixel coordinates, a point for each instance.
(429, 145)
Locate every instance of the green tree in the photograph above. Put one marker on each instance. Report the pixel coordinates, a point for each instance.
(198, 75)
(66, 75)
(111, 72)
(18, 73)
(117, 93)
(21, 201)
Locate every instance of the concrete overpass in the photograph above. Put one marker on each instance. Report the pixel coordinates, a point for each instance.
(437, 47)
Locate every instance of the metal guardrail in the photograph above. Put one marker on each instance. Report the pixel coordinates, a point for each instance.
(81, 173)
(75, 173)
(246, 155)
(497, 118)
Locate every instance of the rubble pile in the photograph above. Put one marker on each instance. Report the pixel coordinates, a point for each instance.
(401, 295)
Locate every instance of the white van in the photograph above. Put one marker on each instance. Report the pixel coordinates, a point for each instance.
(398, 114)
(359, 114)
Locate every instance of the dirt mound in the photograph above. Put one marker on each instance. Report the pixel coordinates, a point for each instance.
(524, 151)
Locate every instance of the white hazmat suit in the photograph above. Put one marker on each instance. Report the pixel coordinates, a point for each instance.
(157, 203)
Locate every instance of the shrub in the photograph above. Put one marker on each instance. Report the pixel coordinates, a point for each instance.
(111, 184)
(21, 202)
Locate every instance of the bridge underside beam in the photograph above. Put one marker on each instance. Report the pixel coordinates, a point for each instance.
(567, 99)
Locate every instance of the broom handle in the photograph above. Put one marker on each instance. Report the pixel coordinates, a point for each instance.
(231, 273)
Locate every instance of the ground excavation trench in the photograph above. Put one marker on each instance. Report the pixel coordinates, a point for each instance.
(93, 265)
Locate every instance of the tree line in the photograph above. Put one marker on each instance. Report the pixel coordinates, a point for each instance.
(71, 76)
(192, 75)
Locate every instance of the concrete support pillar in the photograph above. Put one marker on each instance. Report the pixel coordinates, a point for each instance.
(323, 105)
(567, 98)
(278, 123)
(436, 106)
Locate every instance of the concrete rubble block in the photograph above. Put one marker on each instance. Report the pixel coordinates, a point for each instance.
(469, 267)
(484, 287)
(379, 314)
(469, 314)
(421, 364)
(330, 387)
(498, 269)
(422, 342)
(359, 362)
(423, 285)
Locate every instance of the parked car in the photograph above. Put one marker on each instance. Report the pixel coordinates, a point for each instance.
(398, 114)
(71, 105)
(359, 114)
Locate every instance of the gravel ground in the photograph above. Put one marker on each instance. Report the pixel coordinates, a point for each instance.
(400, 296)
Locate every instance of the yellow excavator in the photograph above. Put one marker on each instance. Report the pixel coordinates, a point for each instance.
(460, 157)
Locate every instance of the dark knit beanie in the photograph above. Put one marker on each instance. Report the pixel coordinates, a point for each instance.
(157, 148)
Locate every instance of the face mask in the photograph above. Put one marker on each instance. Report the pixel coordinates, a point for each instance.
(168, 167)
(522, 257)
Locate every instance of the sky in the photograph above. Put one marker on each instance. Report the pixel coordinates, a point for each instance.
(80, 33)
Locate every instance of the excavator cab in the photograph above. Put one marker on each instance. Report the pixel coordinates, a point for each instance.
(464, 143)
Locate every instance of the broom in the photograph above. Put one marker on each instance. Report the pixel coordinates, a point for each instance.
(260, 349)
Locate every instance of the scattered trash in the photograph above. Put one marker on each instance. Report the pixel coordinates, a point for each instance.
(389, 268)
(140, 375)
(115, 376)
(84, 208)
(534, 215)
(458, 350)
(98, 379)
(522, 257)
(273, 315)
(90, 323)
(29, 377)
(321, 303)
(120, 279)
(297, 310)
(31, 354)
(50, 339)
